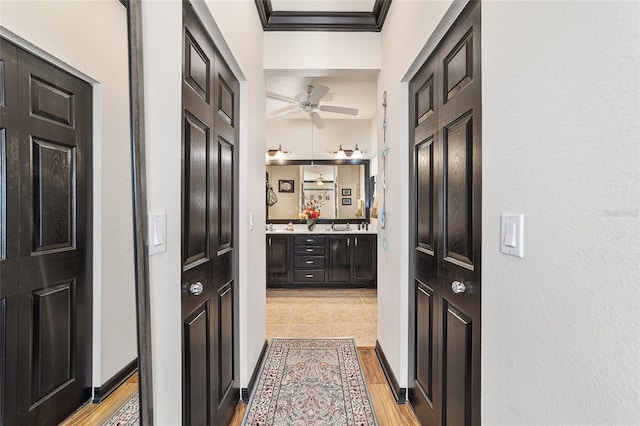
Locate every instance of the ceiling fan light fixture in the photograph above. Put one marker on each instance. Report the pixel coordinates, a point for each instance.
(341, 154)
(356, 153)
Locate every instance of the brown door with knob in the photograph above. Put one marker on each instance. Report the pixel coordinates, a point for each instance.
(45, 262)
(446, 161)
(210, 385)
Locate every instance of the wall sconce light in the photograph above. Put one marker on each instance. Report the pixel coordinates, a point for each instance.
(276, 154)
(356, 153)
(343, 154)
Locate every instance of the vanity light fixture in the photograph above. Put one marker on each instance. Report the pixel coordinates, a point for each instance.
(341, 154)
(356, 153)
(276, 154)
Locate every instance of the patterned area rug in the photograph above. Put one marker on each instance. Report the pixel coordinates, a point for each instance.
(311, 382)
(127, 415)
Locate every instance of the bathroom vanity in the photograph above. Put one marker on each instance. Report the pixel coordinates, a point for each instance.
(335, 259)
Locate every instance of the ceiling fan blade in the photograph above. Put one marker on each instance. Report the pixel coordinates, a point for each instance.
(339, 110)
(287, 114)
(287, 108)
(319, 91)
(317, 120)
(282, 98)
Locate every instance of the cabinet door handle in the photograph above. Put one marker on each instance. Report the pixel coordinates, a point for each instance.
(309, 275)
(356, 238)
(348, 242)
(269, 241)
(309, 240)
(309, 250)
(309, 262)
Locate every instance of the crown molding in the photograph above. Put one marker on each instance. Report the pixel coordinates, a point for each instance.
(322, 21)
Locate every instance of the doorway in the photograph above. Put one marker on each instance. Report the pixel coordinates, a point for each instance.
(45, 239)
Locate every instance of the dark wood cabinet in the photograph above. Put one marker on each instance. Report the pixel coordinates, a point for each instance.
(336, 260)
(278, 258)
(339, 258)
(363, 256)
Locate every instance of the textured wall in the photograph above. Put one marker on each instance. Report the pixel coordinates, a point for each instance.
(561, 119)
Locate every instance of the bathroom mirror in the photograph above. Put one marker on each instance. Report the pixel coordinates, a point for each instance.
(340, 188)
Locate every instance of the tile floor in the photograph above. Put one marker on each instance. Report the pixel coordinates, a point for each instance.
(323, 313)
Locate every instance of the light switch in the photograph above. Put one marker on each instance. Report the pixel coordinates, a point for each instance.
(157, 233)
(511, 235)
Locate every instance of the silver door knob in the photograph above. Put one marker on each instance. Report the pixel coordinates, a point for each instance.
(458, 287)
(196, 288)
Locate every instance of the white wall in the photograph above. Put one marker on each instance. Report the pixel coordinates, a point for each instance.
(99, 27)
(406, 29)
(296, 137)
(561, 122)
(325, 52)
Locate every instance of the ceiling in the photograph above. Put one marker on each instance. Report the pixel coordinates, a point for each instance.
(322, 15)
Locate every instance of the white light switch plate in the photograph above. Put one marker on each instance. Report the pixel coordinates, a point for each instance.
(157, 233)
(511, 234)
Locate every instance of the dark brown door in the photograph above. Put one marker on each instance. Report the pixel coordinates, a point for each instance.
(210, 384)
(446, 224)
(45, 293)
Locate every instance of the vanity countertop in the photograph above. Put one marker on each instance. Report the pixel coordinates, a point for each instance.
(320, 229)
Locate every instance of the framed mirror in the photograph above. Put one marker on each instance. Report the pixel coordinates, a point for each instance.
(340, 188)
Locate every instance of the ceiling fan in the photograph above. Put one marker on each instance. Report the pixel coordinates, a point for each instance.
(309, 102)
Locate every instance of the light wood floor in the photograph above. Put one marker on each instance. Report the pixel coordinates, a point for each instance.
(97, 414)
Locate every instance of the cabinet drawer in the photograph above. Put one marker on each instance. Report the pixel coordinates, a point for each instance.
(310, 250)
(310, 275)
(311, 262)
(305, 240)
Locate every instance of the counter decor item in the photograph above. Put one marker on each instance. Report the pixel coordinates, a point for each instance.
(310, 214)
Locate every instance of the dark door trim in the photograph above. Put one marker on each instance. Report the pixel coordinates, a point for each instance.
(139, 188)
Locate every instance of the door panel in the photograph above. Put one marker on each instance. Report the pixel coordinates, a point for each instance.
(225, 337)
(196, 373)
(196, 204)
(446, 225)
(458, 190)
(424, 340)
(457, 367)
(54, 207)
(226, 191)
(209, 230)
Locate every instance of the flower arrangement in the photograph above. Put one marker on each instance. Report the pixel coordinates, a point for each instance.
(310, 214)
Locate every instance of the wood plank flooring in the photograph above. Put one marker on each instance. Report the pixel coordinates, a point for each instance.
(97, 414)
